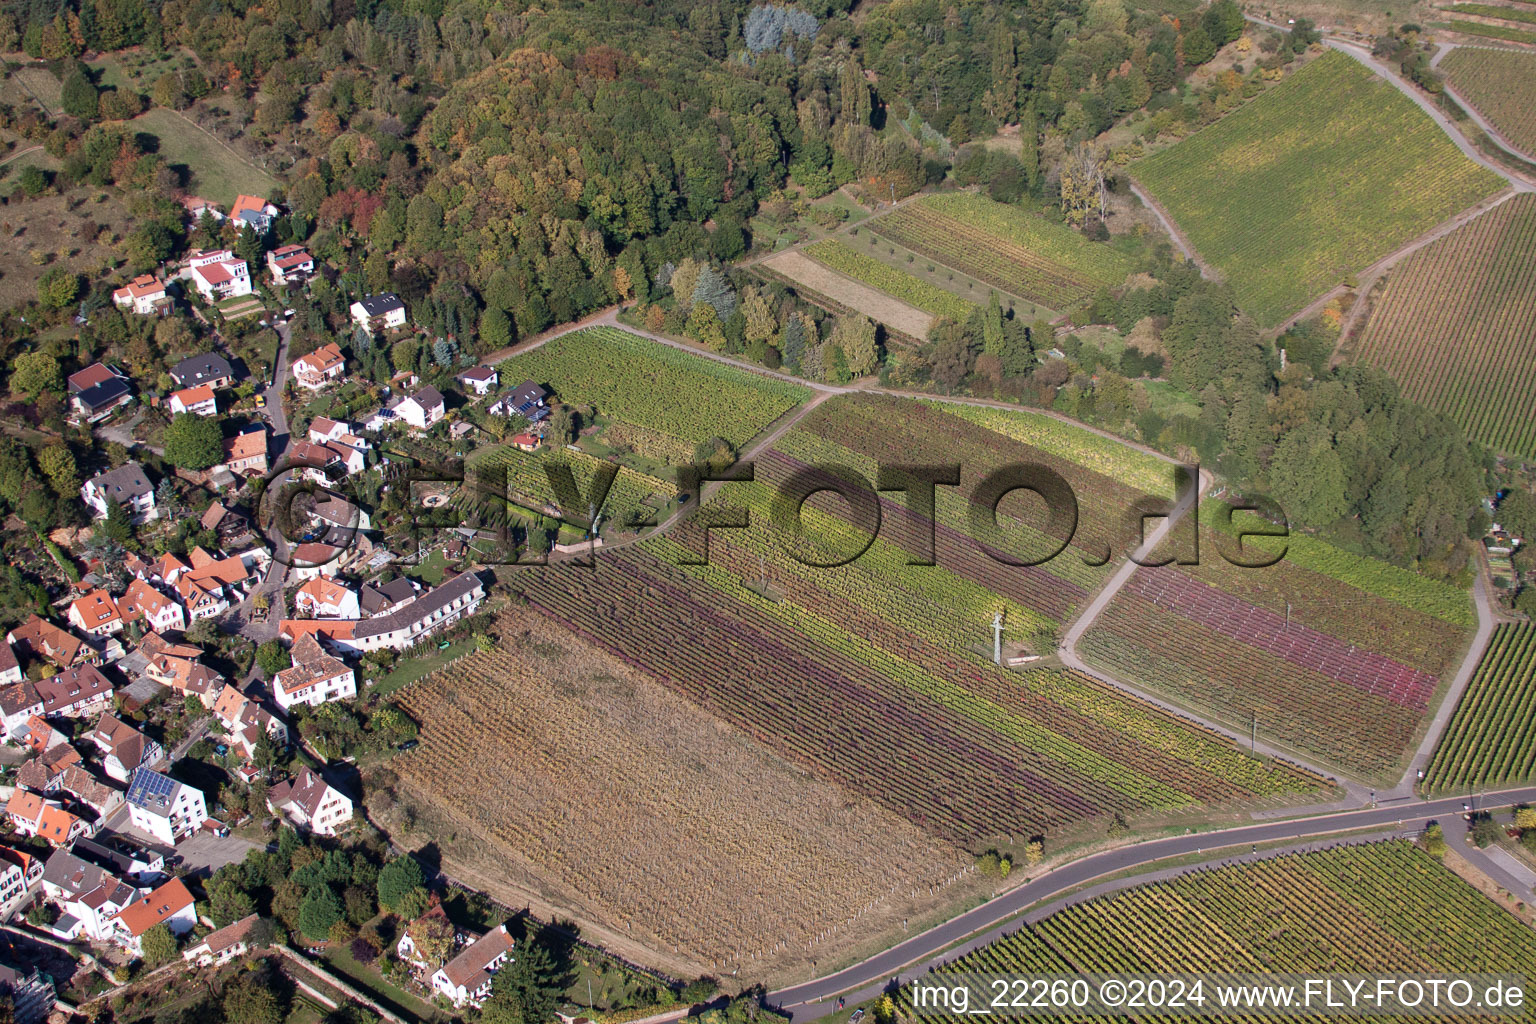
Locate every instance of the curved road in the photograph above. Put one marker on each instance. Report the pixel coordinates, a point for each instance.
(812, 999)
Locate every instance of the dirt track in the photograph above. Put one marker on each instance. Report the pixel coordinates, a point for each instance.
(876, 305)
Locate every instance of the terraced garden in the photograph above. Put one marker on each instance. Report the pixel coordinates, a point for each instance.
(1375, 908)
(1457, 326)
(1491, 740)
(1014, 250)
(1319, 177)
(837, 255)
(1501, 86)
(874, 673)
(1332, 659)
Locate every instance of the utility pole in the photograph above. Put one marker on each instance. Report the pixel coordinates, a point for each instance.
(997, 638)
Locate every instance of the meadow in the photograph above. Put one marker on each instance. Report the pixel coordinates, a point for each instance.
(1009, 248)
(1383, 907)
(1491, 741)
(1457, 327)
(217, 172)
(1313, 180)
(1501, 86)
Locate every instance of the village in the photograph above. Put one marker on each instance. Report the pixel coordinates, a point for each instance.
(173, 709)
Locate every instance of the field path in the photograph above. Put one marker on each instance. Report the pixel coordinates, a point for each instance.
(844, 290)
(19, 153)
(1183, 243)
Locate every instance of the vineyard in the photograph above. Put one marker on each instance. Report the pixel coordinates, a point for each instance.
(1478, 28)
(600, 791)
(627, 378)
(1339, 672)
(1014, 250)
(840, 293)
(1384, 907)
(1317, 178)
(1501, 86)
(842, 258)
(1491, 740)
(1457, 326)
(873, 673)
(1494, 11)
(633, 497)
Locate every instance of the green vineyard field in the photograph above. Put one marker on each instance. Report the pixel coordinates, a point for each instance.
(1457, 327)
(1500, 85)
(1311, 181)
(838, 256)
(1372, 908)
(1491, 740)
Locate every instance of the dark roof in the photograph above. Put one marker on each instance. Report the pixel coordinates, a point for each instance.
(378, 596)
(478, 373)
(527, 391)
(526, 400)
(103, 394)
(70, 873)
(201, 369)
(123, 483)
(428, 397)
(423, 606)
(378, 305)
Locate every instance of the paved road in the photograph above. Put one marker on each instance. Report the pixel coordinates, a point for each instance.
(812, 999)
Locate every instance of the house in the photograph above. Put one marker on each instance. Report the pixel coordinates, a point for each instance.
(142, 602)
(335, 632)
(290, 264)
(19, 703)
(178, 668)
(196, 206)
(378, 598)
(171, 905)
(433, 923)
(223, 945)
(87, 789)
(38, 736)
(90, 376)
(245, 720)
(209, 368)
(143, 295)
(19, 871)
(324, 598)
(219, 274)
(375, 311)
(526, 442)
(33, 814)
(246, 452)
(422, 409)
(10, 665)
(95, 613)
(466, 979)
(479, 379)
(199, 401)
(79, 692)
(30, 991)
(323, 429)
(320, 367)
(419, 618)
(310, 803)
(166, 809)
(528, 400)
(116, 854)
(42, 774)
(310, 559)
(98, 402)
(90, 914)
(253, 212)
(123, 748)
(37, 638)
(128, 486)
(314, 678)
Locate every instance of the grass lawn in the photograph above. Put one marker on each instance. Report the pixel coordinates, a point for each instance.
(41, 85)
(412, 669)
(430, 570)
(217, 172)
(340, 960)
(1317, 178)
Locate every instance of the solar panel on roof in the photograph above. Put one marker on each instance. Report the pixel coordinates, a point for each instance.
(150, 785)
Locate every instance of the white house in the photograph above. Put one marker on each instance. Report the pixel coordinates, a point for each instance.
(97, 391)
(290, 264)
(93, 912)
(206, 368)
(310, 803)
(124, 750)
(19, 871)
(315, 677)
(479, 379)
(158, 612)
(254, 212)
(219, 274)
(246, 721)
(33, 814)
(171, 905)
(166, 809)
(320, 367)
(199, 401)
(374, 311)
(95, 613)
(422, 409)
(466, 979)
(128, 486)
(79, 692)
(223, 945)
(407, 623)
(324, 598)
(143, 295)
